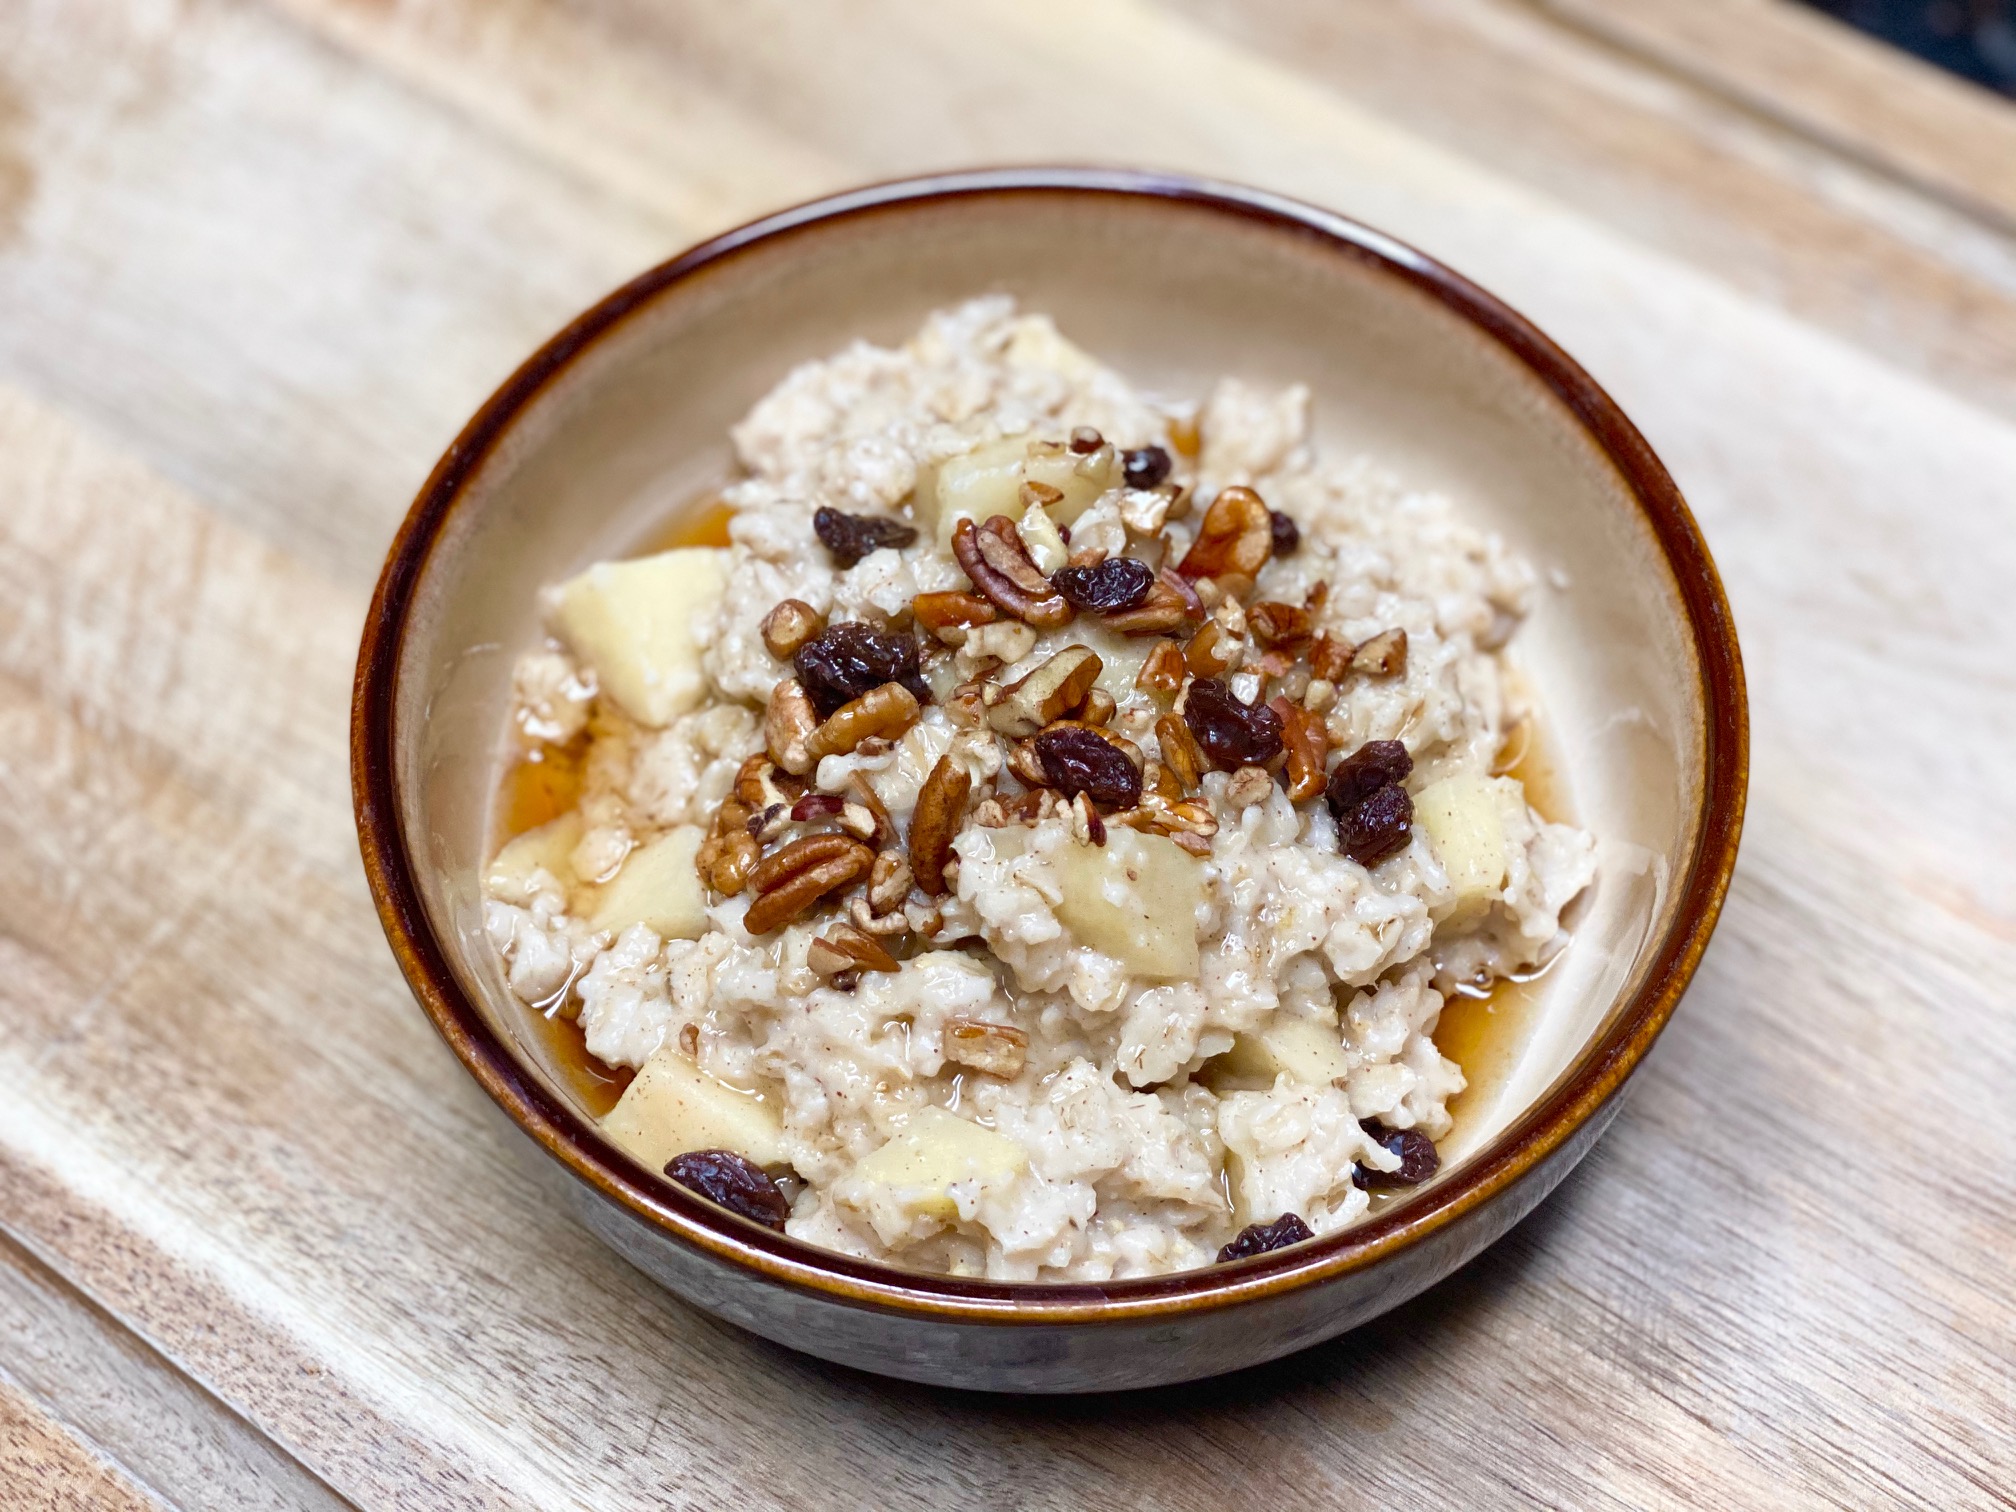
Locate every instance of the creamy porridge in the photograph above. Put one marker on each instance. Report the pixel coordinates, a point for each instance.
(1041, 843)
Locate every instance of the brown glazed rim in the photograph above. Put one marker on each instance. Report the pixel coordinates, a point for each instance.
(573, 1139)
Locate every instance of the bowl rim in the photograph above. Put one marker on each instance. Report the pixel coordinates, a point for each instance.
(571, 1138)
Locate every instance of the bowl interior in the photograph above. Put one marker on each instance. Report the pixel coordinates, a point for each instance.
(1175, 294)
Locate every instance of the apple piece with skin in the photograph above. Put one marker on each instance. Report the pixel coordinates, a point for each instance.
(631, 623)
(545, 848)
(1464, 821)
(657, 886)
(934, 1151)
(672, 1106)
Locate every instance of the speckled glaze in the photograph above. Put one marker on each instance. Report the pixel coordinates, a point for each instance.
(625, 412)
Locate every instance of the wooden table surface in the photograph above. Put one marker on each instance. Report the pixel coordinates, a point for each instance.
(259, 1244)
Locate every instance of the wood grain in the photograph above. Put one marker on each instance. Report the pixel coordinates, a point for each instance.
(256, 263)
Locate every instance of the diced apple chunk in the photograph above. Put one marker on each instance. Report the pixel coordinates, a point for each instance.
(1466, 827)
(1135, 898)
(1080, 479)
(657, 886)
(672, 1106)
(545, 848)
(1308, 1051)
(976, 486)
(937, 1150)
(632, 623)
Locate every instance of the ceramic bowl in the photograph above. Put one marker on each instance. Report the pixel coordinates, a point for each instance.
(624, 414)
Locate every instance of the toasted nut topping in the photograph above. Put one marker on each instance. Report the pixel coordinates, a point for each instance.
(1085, 438)
(888, 882)
(941, 805)
(789, 882)
(858, 821)
(1164, 669)
(885, 711)
(967, 706)
(789, 626)
(951, 614)
(1086, 556)
(866, 920)
(1040, 495)
(1163, 610)
(1211, 651)
(1047, 692)
(994, 557)
(1319, 695)
(787, 724)
(843, 947)
(1099, 707)
(1179, 751)
(1235, 535)
(1303, 735)
(1248, 786)
(760, 784)
(1277, 624)
(1087, 828)
(1385, 655)
(865, 795)
(1026, 765)
(726, 859)
(996, 1049)
(1189, 840)
(1007, 641)
(1329, 659)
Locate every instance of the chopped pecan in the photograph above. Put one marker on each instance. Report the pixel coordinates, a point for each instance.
(1235, 535)
(997, 1049)
(845, 948)
(1087, 828)
(1085, 438)
(967, 704)
(1329, 658)
(1211, 651)
(941, 805)
(787, 724)
(1248, 786)
(884, 833)
(1385, 655)
(1098, 708)
(895, 922)
(1002, 641)
(789, 626)
(791, 880)
(1277, 624)
(886, 711)
(1180, 753)
(1319, 696)
(950, 614)
(1307, 743)
(888, 882)
(1164, 670)
(726, 859)
(993, 556)
(760, 783)
(1026, 766)
(1048, 692)
(1163, 610)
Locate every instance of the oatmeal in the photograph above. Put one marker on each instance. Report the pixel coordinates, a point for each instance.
(1041, 844)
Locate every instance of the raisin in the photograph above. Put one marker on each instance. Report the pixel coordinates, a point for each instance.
(846, 660)
(723, 1176)
(1374, 765)
(1287, 534)
(1078, 761)
(1418, 1160)
(1106, 587)
(1259, 1238)
(851, 537)
(1231, 733)
(1145, 466)
(1378, 827)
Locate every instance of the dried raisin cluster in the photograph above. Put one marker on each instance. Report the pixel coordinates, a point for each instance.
(851, 537)
(1375, 817)
(846, 660)
(727, 1178)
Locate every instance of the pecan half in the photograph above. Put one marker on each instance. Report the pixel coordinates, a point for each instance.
(845, 948)
(886, 711)
(789, 626)
(1307, 743)
(788, 723)
(997, 1049)
(1180, 752)
(1164, 670)
(791, 880)
(1235, 535)
(1385, 655)
(1049, 691)
(949, 615)
(1278, 624)
(993, 556)
(941, 805)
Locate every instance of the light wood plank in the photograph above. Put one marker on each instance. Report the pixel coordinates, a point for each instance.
(44, 1468)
